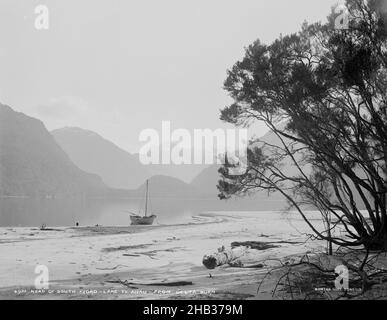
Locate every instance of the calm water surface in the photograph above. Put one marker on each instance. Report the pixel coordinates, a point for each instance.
(111, 212)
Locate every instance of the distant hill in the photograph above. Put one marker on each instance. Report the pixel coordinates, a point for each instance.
(92, 153)
(32, 164)
(167, 187)
(185, 172)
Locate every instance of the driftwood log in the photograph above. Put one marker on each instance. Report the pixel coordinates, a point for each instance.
(223, 256)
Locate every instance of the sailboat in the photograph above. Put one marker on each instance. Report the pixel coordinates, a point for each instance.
(145, 219)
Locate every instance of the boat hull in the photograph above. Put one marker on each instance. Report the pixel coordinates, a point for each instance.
(142, 220)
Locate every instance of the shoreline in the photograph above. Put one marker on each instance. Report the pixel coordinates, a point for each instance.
(98, 257)
(151, 262)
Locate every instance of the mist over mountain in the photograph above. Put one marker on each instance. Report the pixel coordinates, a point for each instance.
(73, 161)
(168, 187)
(92, 153)
(117, 167)
(207, 182)
(184, 172)
(208, 179)
(32, 164)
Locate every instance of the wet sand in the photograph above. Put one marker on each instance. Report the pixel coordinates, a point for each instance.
(148, 262)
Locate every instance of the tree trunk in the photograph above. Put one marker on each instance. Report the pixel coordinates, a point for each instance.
(329, 244)
(223, 256)
(377, 242)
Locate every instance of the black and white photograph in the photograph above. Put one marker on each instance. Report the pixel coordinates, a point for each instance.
(169, 150)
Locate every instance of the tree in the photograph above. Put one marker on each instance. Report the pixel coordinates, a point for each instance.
(323, 93)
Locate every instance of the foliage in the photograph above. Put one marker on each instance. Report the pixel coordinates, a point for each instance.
(322, 94)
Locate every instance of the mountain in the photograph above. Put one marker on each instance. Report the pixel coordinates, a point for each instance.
(32, 164)
(92, 153)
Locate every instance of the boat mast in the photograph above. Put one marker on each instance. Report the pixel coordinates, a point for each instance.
(146, 198)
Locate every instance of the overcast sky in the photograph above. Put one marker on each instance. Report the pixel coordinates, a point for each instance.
(118, 67)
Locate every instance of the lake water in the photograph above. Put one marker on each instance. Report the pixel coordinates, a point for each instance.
(22, 212)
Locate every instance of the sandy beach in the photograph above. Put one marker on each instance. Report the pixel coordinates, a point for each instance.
(156, 262)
